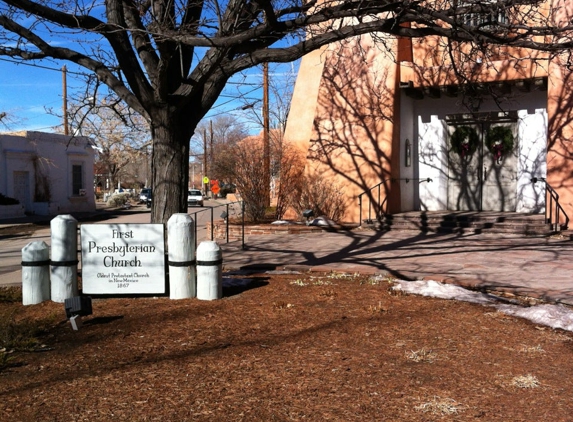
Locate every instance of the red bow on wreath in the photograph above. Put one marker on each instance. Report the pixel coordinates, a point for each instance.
(497, 152)
(465, 148)
(499, 140)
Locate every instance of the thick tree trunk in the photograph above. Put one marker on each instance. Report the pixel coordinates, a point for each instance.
(169, 164)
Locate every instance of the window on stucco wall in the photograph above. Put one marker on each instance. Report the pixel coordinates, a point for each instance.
(487, 20)
(77, 178)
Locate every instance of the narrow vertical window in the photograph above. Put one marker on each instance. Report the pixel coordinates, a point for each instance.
(77, 179)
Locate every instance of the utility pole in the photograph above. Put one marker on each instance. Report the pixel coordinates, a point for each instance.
(210, 151)
(205, 185)
(266, 140)
(65, 98)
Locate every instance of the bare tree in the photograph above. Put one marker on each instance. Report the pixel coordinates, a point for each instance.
(227, 129)
(281, 88)
(169, 60)
(213, 140)
(289, 175)
(121, 140)
(280, 85)
(247, 173)
(7, 119)
(244, 165)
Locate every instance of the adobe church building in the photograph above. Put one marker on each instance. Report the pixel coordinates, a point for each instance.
(49, 174)
(398, 128)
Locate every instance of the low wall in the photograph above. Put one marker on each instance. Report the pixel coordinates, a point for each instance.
(11, 211)
(236, 230)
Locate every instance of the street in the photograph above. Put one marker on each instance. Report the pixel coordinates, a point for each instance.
(12, 241)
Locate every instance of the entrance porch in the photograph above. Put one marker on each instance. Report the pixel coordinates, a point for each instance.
(462, 222)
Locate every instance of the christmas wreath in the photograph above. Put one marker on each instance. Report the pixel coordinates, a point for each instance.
(499, 141)
(465, 141)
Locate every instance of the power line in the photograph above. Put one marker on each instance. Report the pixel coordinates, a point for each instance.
(235, 98)
(232, 98)
(41, 66)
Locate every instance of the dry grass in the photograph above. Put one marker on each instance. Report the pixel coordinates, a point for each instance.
(280, 305)
(441, 406)
(525, 381)
(379, 308)
(286, 349)
(422, 355)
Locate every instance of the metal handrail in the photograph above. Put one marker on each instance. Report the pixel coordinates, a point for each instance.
(379, 211)
(554, 206)
(409, 179)
(212, 210)
(368, 191)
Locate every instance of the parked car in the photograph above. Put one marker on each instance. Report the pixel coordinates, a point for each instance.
(145, 194)
(194, 197)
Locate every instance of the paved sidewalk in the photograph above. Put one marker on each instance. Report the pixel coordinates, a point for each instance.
(536, 267)
(529, 266)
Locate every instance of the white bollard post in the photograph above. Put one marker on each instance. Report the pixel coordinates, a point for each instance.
(64, 271)
(35, 273)
(209, 271)
(181, 253)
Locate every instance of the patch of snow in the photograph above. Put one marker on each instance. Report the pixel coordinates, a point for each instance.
(554, 316)
(323, 222)
(443, 291)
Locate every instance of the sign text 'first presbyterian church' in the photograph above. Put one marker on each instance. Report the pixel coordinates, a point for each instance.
(123, 258)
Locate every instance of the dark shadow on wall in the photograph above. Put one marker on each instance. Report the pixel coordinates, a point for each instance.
(353, 126)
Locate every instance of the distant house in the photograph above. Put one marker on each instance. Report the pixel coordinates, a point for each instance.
(49, 174)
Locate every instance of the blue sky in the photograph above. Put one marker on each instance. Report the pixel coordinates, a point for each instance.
(26, 92)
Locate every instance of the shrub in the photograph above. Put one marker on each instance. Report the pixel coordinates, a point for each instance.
(5, 200)
(227, 188)
(249, 178)
(321, 196)
(119, 200)
(292, 164)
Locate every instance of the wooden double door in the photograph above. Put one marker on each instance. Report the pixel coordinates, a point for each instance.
(481, 180)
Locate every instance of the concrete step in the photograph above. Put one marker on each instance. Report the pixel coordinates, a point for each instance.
(466, 222)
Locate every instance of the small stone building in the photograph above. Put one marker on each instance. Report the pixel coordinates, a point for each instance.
(49, 174)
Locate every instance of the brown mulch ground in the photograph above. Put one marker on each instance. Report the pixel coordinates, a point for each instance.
(293, 347)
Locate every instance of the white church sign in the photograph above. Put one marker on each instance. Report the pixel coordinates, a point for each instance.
(123, 258)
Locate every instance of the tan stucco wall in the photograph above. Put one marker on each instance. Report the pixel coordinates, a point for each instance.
(301, 114)
(343, 113)
(560, 118)
(559, 145)
(346, 107)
